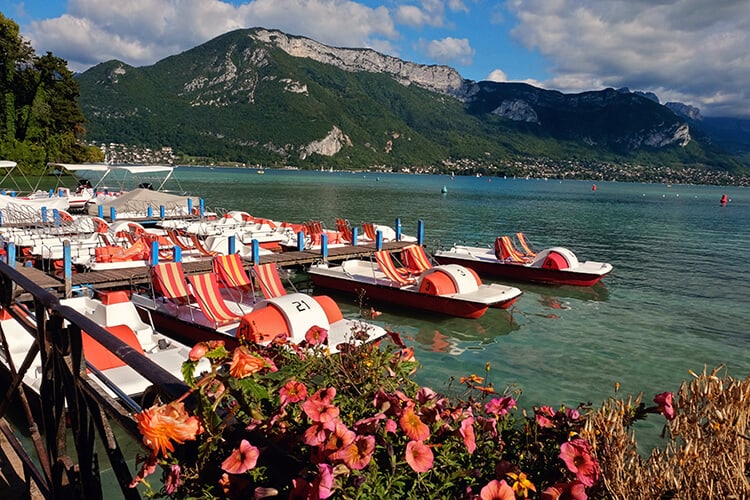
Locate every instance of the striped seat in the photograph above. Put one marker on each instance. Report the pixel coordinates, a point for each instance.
(268, 279)
(416, 259)
(207, 294)
(231, 273)
(525, 245)
(398, 276)
(168, 279)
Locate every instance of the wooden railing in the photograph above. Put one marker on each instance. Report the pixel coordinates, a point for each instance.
(73, 411)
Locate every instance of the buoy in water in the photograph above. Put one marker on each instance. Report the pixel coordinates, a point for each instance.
(593, 188)
(444, 190)
(724, 199)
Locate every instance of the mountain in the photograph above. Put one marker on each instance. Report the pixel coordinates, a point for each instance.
(262, 96)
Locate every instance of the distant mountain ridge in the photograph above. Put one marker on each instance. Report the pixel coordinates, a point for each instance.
(262, 96)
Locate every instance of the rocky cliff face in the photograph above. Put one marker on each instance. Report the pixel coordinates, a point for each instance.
(328, 146)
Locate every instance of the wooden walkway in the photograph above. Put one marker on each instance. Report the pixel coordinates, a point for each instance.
(118, 278)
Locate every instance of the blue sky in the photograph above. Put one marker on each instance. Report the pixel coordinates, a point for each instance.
(691, 51)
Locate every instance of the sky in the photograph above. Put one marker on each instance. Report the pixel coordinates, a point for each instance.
(690, 51)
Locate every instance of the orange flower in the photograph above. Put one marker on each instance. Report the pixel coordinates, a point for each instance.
(419, 456)
(413, 426)
(358, 453)
(245, 363)
(521, 484)
(164, 423)
(471, 379)
(241, 459)
(497, 490)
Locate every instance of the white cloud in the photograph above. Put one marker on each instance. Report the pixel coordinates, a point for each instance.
(497, 75)
(688, 50)
(448, 50)
(140, 32)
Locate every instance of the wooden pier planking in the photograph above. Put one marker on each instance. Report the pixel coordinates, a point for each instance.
(118, 278)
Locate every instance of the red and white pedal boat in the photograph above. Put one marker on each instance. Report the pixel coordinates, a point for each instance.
(555, 265)
(446, 289)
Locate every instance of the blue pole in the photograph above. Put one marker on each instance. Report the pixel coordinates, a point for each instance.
(154, 253)
(11, 254)
(324, 246)
(67, 262)
(177, 254)
(44, 214)
(190, 206)
(100, 211)
(56, 216)
(300, 241)
(150, 211)
(232, 244)
(112, 214)
(256, 252)
(398, 228)
(420, 232)
(378, 240)
(202, 208)
(51, 193)
(162, 211)
(354, 236)
(1, 217)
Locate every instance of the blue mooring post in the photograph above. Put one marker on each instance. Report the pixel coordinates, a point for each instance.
(11, 254)
(150, 212)
(67, 267)
(420, 232)
(100, 211)
(190, 206)
(177, 254)
(44, 214)
(112, 214)
(232, 244)
(56, 217)
(300, 241)
(354, 236)
(256, 252)
(398, 228)
(202, 208)
(1, 218)
(154, 253)
(324, 246)
(378, 240)
(61, 192)
(162, 211)
(51, 193)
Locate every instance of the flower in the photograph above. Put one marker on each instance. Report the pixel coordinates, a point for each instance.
(245, 363)
(198, 351)
(497, 490)
(419, 456)
(173, 480)
(565, 491)
(467, 433)
(321, 412)
(242, 459)
(500, 406)
(358, 454)
(521, 484)
(162, 424)
(544, 416)
(577, 457)
(374, 314)
(340, 437)
(471, 379)
(413, 426)
(316, 335)
(292, 392)
(323, 484)
(664, 403)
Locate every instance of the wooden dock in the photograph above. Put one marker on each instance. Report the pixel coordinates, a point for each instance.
(119, 278)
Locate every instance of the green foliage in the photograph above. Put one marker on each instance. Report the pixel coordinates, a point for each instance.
(41, 120)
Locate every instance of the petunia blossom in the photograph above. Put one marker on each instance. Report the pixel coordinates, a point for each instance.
(419, 456)
(413, 426)
(245, 363)
(664, 404)
(467, 433)
(500, 406)
(242, 459)
(173, 480)
(316, 335)
(577, 457)
(323, 483)
(198, 351)
(292, 392)
(497, 490)
(565, 491)
(358, 454)
(162, 424)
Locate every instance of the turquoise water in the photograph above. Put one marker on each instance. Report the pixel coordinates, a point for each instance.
(677, 299)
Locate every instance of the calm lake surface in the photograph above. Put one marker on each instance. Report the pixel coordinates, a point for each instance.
(676, 301)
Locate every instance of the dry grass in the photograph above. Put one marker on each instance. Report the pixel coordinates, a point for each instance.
(707, 454)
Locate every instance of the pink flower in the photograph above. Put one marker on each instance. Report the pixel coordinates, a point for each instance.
(577, 457)
(292, 392)
(391, 425)
(242, 459)
(173, 480)
(497, 490)
(358, 454)
(198, 351)
(323, 484)
(320, 412)
(664, 403)
(565, 491)
(324, 395)
(316, 335)
(419, 456)
(369, 424)
(316, 434)
(413, 426)
(544, 416)
(467, 432)
(500, 406)
(340, 437)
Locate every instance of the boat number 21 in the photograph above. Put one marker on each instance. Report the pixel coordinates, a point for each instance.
(301, 305)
